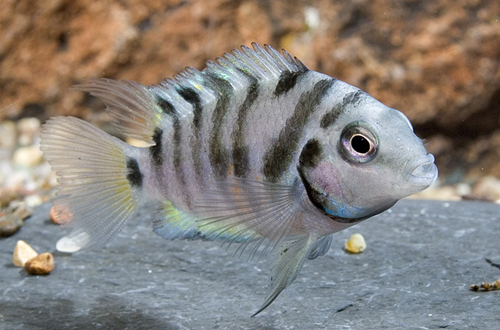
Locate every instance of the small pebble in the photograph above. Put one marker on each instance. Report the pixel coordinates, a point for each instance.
(21, 209)
(28, 128)
(487, 187)
(60, 215)
(27, 156)
(8, 195)
(8, 133)
(486, 286)
(9, 224)
(22, 253)
(42, 264)
(355, 244)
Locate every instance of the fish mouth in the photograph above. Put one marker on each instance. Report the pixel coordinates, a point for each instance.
(422, 171)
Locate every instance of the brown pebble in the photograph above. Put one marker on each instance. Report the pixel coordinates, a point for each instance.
(9, 195)
(42, 264)
(9, 224)
(60, 215)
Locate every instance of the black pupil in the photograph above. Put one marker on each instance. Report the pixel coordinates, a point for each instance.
(360, 144)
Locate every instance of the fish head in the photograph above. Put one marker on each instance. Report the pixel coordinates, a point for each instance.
(365, 162)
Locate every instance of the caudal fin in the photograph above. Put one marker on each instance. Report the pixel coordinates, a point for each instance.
(100, 180)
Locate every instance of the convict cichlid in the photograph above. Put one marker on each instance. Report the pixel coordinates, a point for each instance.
(255, 149)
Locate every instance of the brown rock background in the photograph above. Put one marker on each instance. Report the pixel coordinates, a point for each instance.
(437, 61)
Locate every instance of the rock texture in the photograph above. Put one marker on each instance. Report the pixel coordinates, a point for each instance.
(416, 272)
(437, 61)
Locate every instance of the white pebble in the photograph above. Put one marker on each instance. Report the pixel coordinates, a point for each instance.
(27, 156)
(28, 128)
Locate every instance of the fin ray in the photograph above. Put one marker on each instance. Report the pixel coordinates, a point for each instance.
(320, 247)
(132, 106)
(92, 174)
(288, 262)
(237, 211)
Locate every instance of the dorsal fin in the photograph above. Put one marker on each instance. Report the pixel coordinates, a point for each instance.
(131, 105)
(259, 62)
(138, 109)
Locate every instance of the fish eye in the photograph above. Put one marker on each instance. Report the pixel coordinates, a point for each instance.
(359, 144)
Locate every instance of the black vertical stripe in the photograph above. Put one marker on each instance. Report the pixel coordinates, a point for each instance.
(164, 105)
(218, 155)
(310, 155)
(178, 148)
(193, 98)
(279, 156)
(156, 151)
(134, 175)
(240, 150)
(331, 116)
(353, 98)
(286, 82)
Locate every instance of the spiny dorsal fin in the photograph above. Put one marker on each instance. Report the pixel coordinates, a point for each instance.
(138, 110)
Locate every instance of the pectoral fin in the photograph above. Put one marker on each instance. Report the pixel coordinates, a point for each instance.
(320, 247)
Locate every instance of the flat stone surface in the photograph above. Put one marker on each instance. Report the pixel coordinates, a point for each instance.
(420, 260)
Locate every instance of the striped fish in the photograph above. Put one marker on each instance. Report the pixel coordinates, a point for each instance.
(255, 149)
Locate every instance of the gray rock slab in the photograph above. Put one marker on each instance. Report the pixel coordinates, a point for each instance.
(420, 260)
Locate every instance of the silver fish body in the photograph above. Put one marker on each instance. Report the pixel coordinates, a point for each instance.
(255, 149)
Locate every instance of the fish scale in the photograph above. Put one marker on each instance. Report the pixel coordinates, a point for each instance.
(255, 149)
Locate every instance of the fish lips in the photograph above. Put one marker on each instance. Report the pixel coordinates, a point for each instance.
(422, 172)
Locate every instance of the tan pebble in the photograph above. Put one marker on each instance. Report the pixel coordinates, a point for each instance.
(22, 253)
(8, 132)
(355, 244)
(496, 284)
(60, 215)
(9, 224)
(22, 210)
(487, 187)
(40, 265)
(8, 195)
(27, 156)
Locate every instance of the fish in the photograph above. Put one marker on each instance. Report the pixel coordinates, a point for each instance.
(255, 149)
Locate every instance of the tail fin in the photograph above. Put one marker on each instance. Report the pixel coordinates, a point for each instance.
(100, 180)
